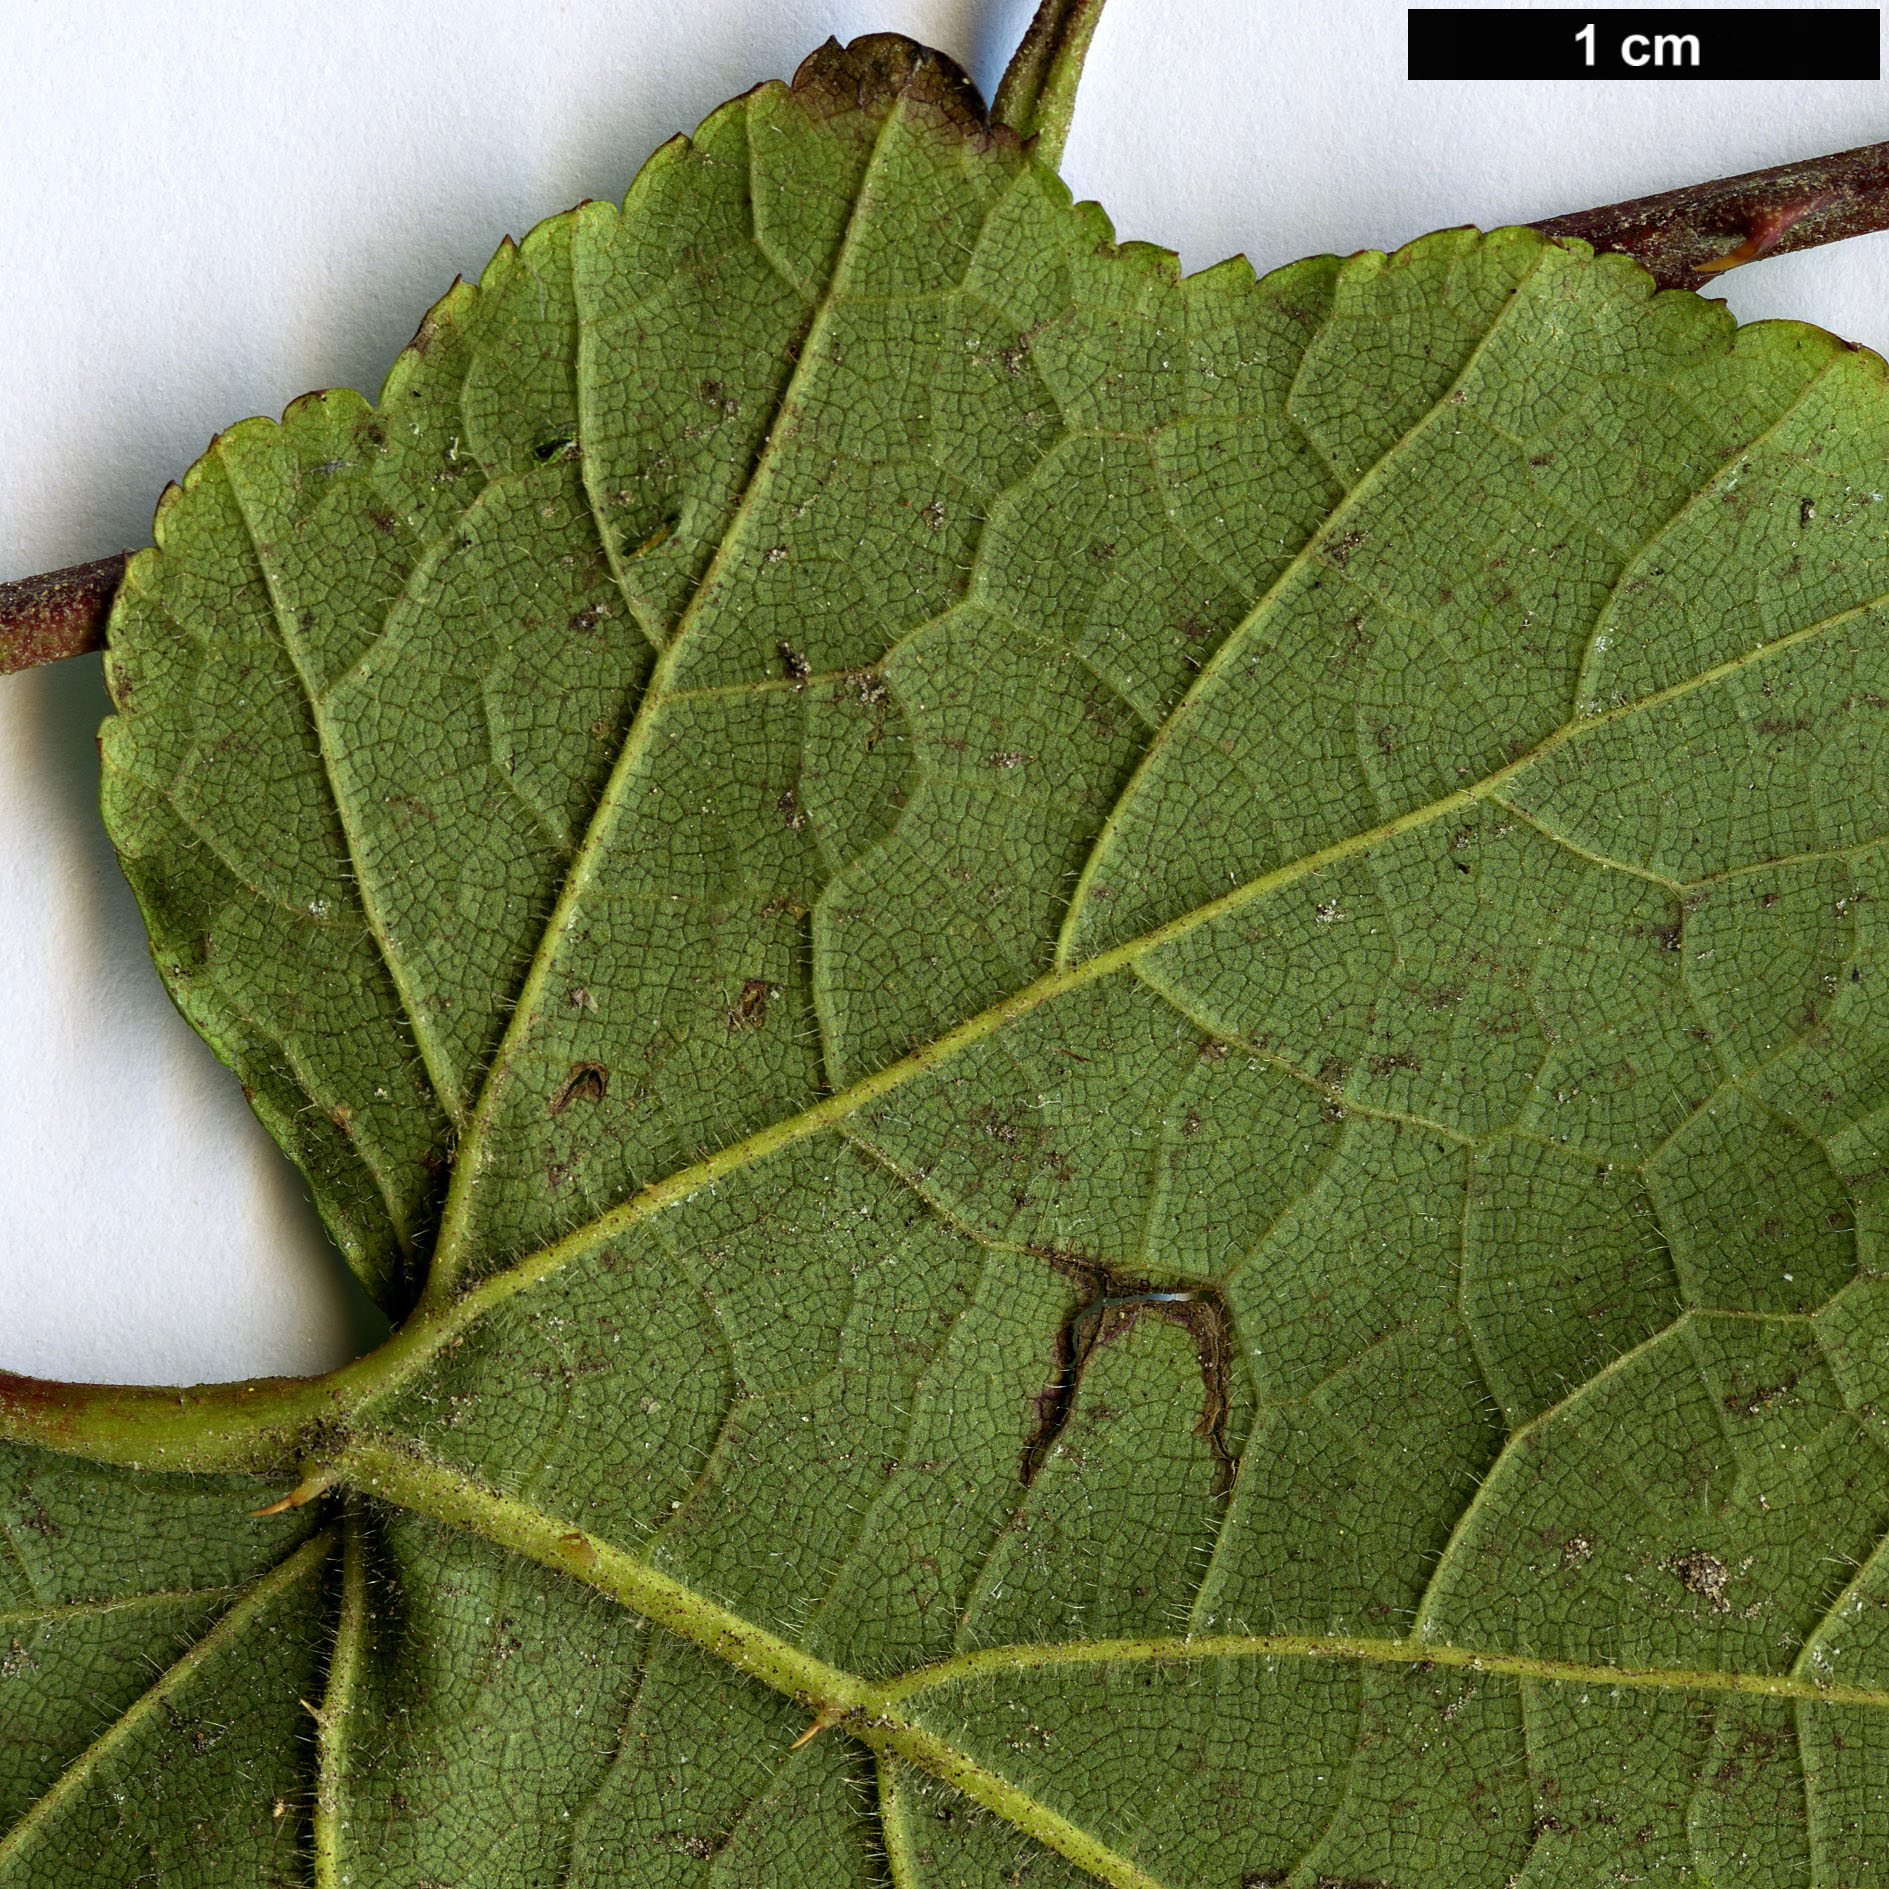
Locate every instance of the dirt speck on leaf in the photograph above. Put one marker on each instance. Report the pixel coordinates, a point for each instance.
(1701, 1572)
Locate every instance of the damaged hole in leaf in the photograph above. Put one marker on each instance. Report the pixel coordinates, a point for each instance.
(587, 1082)
(1115, 1306)
(560, 448)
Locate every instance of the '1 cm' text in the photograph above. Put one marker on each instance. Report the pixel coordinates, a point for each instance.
(1647, 49)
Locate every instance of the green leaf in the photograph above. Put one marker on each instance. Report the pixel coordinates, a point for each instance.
(1120, 1038)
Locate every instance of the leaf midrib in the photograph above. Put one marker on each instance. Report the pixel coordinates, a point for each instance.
(1352, 498)
(53, 1612)
(434, 1056)
(329, 1822)
(244, 1611)
(256, 1425)
(877, 1712)
(430, 1330)
(456, 1217)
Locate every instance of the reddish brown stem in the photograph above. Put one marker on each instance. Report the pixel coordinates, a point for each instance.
(1687, 236)
(60, 614)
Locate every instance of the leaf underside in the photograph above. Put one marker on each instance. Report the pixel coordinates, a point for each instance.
(1128, 1030)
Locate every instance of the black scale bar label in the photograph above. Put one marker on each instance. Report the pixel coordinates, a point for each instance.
(1646, 43)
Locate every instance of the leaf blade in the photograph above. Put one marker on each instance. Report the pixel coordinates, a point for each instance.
(1167, 1028)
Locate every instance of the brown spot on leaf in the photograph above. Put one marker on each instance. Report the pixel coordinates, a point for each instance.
(749, 1010)
(1664, 937)
(1742, 1403)
(32, 1514)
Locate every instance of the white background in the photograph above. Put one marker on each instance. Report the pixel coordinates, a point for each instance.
(210, 206)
